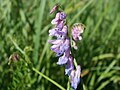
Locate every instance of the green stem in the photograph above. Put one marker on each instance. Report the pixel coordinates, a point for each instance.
(52, 81)
(75, 62)
(68, 83)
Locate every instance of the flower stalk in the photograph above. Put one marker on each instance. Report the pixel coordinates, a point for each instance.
(62, 47)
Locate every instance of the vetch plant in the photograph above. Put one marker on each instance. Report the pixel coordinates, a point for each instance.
(61, 45)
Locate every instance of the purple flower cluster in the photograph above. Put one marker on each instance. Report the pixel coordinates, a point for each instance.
(77, 29)
(61, 46)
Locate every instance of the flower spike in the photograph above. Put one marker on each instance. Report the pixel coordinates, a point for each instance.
(61, 45)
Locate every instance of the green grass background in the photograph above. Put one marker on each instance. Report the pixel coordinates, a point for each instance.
(24, 26)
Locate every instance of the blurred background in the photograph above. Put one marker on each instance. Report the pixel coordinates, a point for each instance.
(24, 26)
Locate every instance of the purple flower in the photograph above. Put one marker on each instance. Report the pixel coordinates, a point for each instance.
(54, 9)
(60, 24)
(77, 29)
(62, 16)
(69, 66)
(60, 31)
(75, 77)
(60, 46)
(64, 59)
(60, 34)
(54, 32)
(56, 19)
(63, 33)
(56, 47)
(59, 18)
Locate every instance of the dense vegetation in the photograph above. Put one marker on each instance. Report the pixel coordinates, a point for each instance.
(24, 26)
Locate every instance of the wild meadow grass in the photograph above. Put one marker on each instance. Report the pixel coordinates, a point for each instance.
(26, 61)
